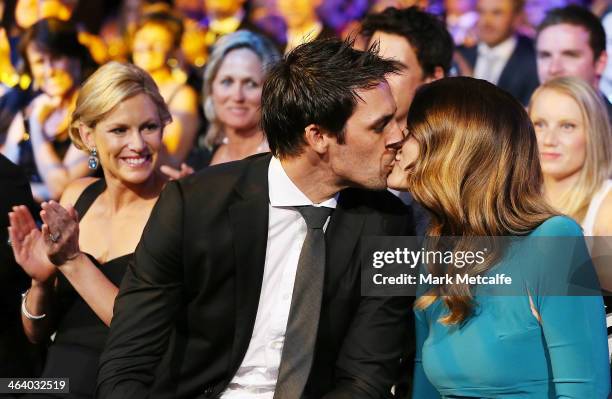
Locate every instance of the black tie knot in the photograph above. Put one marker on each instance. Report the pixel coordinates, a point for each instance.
(315, 216)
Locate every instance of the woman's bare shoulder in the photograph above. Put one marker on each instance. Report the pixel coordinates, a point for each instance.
(74, 190)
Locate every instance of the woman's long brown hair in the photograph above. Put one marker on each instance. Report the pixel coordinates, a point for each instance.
(478, 172)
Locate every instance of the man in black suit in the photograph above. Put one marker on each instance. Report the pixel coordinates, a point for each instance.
(18, 358)
(205, 309)
(571, 41)
(501, 56)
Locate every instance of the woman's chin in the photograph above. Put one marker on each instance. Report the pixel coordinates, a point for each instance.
(397, 181)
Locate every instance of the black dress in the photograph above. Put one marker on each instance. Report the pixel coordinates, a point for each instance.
(81, 335)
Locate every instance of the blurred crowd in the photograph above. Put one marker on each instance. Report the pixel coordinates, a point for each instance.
(195, 70)
(48, 48)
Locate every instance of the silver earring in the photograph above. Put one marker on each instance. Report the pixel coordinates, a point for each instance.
(93, 160)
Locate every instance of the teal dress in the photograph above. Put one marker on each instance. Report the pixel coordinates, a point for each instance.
(503, 351)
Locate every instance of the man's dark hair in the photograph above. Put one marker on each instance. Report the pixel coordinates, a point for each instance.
(426, 34)
(578, 16)
(317, 83)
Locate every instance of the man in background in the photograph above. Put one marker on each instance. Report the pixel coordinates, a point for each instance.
(419, 42)
(502, 56)
(571, 41)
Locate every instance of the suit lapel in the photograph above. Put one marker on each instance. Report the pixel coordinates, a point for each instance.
(342, 236)
(509, 74)
(249, 223)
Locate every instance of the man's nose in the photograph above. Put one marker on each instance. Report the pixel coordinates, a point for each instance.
(555, 67)
(395, 138)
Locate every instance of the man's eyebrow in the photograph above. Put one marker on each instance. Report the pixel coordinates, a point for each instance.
(572, 52)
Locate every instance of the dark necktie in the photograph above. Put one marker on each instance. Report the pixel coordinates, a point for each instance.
(301, 333)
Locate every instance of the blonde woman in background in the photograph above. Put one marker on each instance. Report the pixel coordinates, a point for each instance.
(575, 145)
(76, 270)
(233, 80)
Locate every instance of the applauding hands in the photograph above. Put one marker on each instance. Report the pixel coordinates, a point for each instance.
(39, 251)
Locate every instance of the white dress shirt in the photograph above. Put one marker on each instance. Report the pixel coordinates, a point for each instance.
(258, 372)
(491, 60)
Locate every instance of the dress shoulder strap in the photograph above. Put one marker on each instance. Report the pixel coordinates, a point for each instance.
(88, 196)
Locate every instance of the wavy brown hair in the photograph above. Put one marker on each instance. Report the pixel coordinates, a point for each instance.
(477, 173)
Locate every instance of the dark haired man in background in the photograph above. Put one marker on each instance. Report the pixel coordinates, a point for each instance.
(571, 41)
(419, 42)
(246, 282)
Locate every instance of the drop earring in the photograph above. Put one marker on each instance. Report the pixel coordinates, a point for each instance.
(93, 160)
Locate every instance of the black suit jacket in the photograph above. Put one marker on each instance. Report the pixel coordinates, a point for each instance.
(520, 75)
(18, 358)
(188, 302)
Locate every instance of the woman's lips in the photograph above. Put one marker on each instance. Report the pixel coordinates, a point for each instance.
(550, 155)
(137, 162)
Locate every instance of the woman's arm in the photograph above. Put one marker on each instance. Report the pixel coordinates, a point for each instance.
(180, 134)
(30, 253)
(92, 285)
(573, 324)
(55, 172)
(87, 279)
(575, 334)
(10, 148)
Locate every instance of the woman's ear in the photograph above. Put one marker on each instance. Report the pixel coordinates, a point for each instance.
(87, 135)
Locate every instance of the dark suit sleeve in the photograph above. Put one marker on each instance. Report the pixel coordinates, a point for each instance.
(149, 297)
(369, 362)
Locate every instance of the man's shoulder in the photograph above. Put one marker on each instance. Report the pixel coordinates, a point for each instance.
(225, 175)
(381, 201)
(525, 45)
(11, 173)
(468, 52)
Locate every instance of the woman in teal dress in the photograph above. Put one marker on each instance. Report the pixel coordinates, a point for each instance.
(470, 158)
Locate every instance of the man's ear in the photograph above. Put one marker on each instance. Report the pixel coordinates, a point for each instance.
(316, 139)
(87, 136)
(600, 64)
(437, 74)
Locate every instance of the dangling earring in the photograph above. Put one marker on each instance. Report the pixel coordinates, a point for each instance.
(93, 160)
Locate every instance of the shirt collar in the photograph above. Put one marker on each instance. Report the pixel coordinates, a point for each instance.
(502, 50)
(284, 193)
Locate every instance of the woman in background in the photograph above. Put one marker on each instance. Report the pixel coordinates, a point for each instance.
(155, 42)
(575, 144)
(38, 138)
(233, 80)
(470, 158)
(75, 270)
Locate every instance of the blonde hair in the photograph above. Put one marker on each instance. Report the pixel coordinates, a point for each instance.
(111, 84)
(598, 161)
(477, 173)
